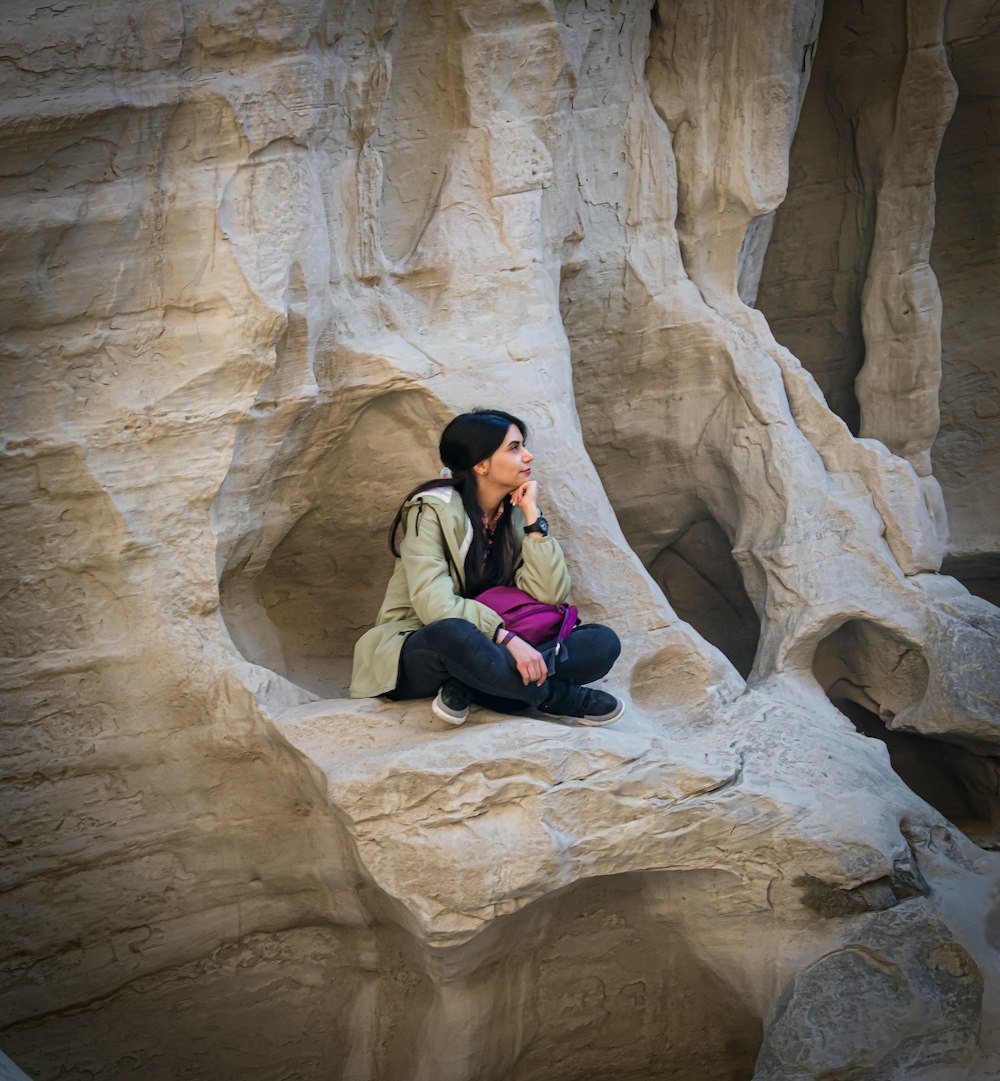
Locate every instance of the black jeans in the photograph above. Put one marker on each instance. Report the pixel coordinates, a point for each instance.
(456, 649)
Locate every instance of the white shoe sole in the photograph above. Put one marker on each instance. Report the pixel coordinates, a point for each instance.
(439, 709)
(608, 718)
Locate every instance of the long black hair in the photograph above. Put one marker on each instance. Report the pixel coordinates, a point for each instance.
(466, 441)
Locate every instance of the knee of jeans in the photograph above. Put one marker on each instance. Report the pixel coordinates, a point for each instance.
(446, 632)
(611, 646)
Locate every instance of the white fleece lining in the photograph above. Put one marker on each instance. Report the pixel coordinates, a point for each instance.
(445, 496)
(466, 543)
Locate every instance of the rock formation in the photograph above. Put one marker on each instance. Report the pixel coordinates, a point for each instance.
(735, 267)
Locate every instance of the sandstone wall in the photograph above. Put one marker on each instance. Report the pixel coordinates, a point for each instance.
(734, 270)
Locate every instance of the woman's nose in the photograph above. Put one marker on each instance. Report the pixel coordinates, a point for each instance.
(528, 456)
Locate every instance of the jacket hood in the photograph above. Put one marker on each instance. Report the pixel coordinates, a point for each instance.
(445, 494)
(459, 535)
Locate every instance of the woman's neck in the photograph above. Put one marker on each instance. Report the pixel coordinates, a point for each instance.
(489, 499)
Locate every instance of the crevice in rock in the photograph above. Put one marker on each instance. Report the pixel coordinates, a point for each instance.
(875, 676)
(965, 259)
(817, 258)
(980, 574)
(960, 784)
(701, 579)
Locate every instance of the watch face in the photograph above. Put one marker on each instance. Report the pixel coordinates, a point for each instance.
(541, 526)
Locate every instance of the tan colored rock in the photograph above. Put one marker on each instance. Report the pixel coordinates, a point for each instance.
(256, 256)
(857, 112)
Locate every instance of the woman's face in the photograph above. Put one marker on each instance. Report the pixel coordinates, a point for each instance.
(508, 466)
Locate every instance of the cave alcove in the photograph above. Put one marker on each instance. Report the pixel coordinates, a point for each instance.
(303, 557)
(878, 668)
(598, 980)
(602, 980)
(702, 581)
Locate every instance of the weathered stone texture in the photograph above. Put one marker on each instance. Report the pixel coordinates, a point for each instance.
(255, 256)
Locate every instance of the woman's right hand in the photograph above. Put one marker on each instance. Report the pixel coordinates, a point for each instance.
(530, 663)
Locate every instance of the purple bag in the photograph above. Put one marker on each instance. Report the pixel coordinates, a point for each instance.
(529, 619)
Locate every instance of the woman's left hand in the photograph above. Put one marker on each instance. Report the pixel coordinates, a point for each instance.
(530, 663)
(525, 496)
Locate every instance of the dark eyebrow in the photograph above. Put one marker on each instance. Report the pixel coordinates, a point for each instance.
(513, 443)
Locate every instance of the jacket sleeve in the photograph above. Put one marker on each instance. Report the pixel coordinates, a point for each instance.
(428, 576)
(542, 571)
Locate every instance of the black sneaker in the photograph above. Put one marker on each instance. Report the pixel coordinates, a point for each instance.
(452, 702)
(588, 706)
(601, 708)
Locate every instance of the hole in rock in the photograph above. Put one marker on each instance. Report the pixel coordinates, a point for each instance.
(700, 578)
(302, 520)
(980, 574)
(874, 677)
(876, 668)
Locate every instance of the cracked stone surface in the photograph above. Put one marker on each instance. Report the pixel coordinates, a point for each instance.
(737, 273)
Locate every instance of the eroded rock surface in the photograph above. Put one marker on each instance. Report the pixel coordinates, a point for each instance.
(256, 255)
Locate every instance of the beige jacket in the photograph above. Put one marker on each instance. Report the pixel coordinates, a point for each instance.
(429, 579)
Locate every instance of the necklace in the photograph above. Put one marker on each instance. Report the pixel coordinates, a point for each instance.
(489, 528)
(490, 524)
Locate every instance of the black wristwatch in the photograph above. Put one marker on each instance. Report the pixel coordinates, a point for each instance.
(539, 525)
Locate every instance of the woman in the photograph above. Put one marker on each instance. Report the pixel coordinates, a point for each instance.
(478, 528)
